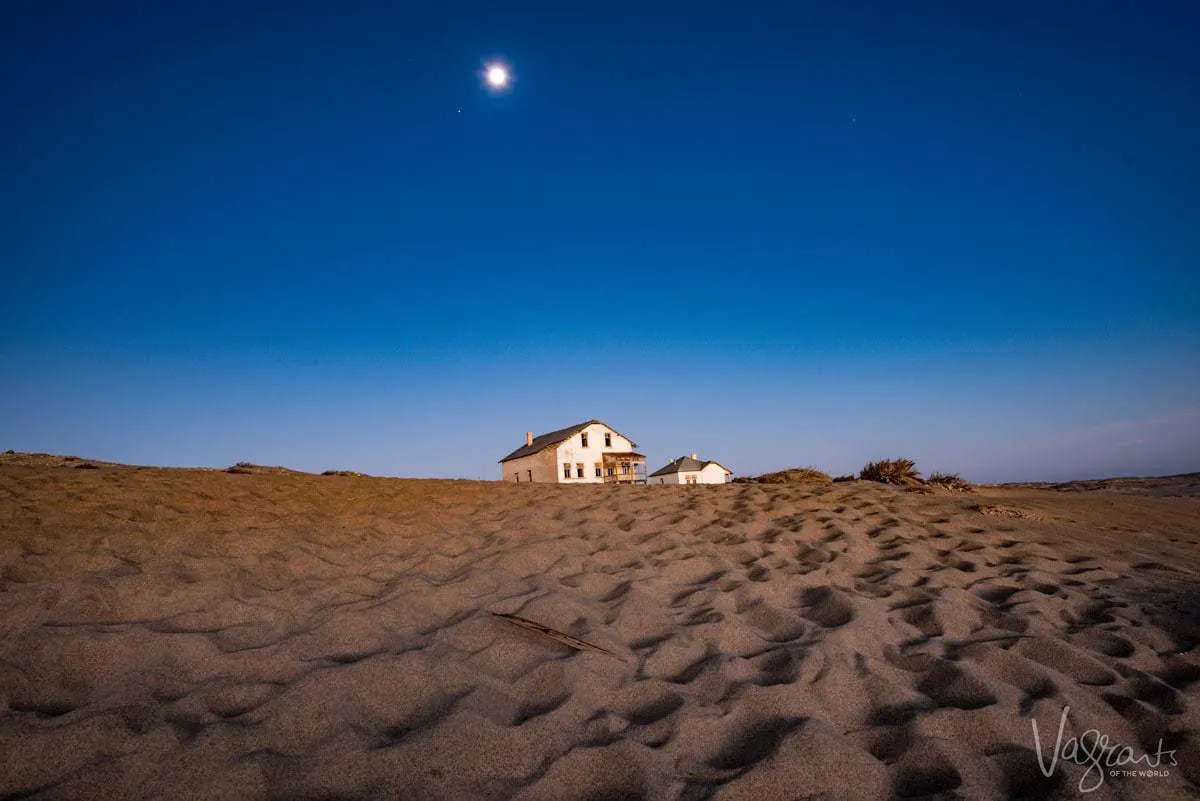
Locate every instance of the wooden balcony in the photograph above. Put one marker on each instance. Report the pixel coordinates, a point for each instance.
(624, 468)
(631, 478)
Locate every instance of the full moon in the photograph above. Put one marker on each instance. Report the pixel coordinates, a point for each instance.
(497, 76)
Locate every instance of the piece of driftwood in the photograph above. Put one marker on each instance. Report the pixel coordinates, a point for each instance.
(558, 636)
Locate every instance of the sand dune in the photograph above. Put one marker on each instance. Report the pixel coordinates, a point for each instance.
(199, 634)
(1182, 485)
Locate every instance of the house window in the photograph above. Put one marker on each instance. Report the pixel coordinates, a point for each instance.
(566, 469)
(579, 470)
(530, 472)
(611, 471)
(607, 440)
(624, 468)
(599, 472)
(690, 479)
(583, 437)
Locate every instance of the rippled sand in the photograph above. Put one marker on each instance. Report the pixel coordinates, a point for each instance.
(200, 634)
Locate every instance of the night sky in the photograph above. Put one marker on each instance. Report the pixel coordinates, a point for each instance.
(774, 234)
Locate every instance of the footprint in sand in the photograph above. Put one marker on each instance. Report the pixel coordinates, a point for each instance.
(951, 685)
(827, 607)
(925, 770)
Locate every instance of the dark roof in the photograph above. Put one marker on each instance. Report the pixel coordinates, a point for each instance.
(543, 441)
(686, 464)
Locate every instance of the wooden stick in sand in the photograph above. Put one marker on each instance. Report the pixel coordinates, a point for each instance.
(558, 636)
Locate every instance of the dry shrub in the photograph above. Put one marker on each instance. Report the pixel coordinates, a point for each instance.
(1009, 512)
(259, 469)
(892, 471)
(951, 481)
(343, 473)
(796, 475)
(845, 478)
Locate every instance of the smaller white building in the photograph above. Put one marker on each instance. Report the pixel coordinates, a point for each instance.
(690, 470)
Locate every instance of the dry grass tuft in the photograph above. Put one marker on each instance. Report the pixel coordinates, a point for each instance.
(795, 475)
(892, 471)
(558, 636)
(249, 468)
(950, 481)
(1009, 512)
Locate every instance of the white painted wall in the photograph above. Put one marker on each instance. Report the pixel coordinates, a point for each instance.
(574, 453)
(714, 474)
(711, 474)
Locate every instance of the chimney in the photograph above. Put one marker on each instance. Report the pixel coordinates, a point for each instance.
(528, 437)
(693, 456)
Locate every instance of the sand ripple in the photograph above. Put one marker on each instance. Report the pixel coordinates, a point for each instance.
(193, 634)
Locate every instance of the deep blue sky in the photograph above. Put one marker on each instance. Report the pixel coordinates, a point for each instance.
(776, 234)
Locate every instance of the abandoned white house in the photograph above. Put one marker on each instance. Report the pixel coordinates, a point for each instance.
(690, 470)
(587, 453)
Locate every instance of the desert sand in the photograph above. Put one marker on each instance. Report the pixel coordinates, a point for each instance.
(199, 634)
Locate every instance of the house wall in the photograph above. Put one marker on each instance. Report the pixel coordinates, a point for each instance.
(712, 474)
(541, 464)
(573, 451)
(547, 464)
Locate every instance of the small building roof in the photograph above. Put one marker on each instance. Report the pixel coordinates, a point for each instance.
(543, 441)
(687, 464)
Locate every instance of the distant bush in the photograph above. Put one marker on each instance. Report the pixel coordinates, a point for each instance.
(86, 466)
(847, 477)
(892, 471)
(795, 475)
(951, 481)
(342, 473)
(259, 469)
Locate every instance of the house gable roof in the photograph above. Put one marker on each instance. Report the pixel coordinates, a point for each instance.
(543, 441)
(686, 464)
